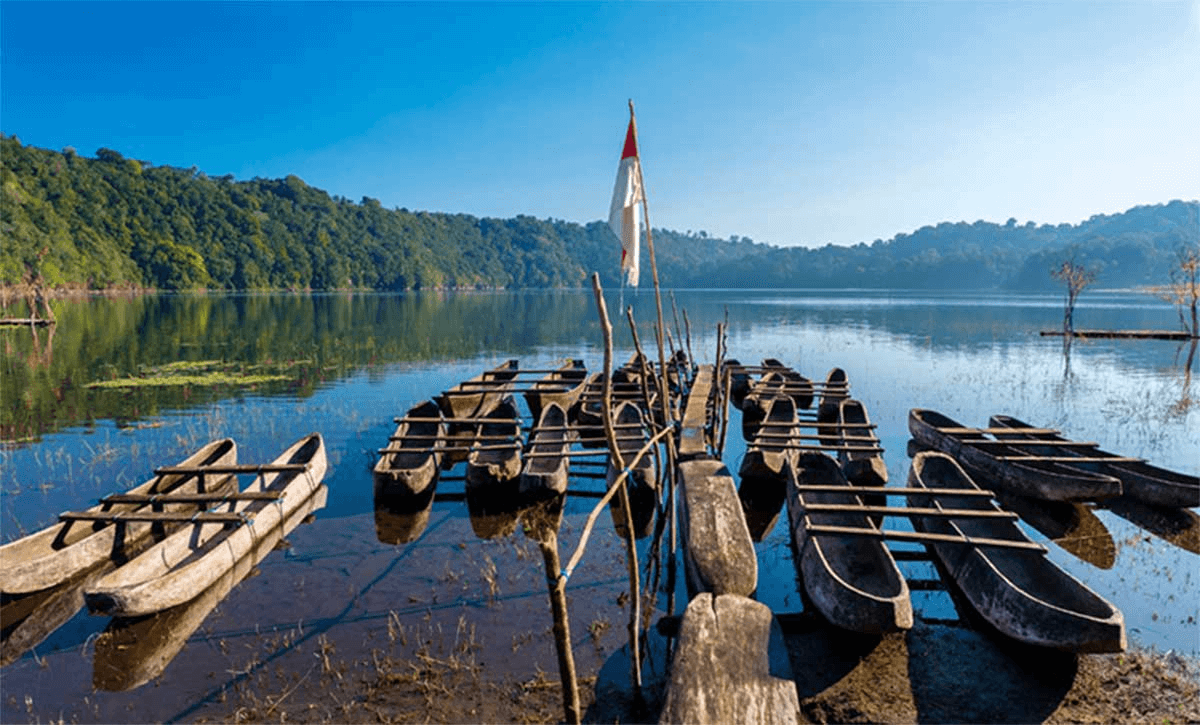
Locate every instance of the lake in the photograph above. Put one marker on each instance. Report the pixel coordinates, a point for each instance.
(86, 412)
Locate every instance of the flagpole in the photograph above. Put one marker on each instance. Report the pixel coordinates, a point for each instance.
(662, 360)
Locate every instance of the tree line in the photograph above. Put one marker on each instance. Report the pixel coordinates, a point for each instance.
(115, 222)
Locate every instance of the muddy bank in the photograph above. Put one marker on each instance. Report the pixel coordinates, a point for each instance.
(935, 673)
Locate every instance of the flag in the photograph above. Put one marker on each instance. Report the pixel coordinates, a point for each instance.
(623, 216)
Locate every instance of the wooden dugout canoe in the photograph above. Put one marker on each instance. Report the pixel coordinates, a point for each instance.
(797, 386)
(758, 401)
(477, 397)
(562, 386)
(643, 481)
(131, 651)
(65, 550)
(190, 560)
(853, 580)
(862, 468)
(837, 389)
(411, 460)
(768, 453)
(1139, 480)
(979, 455)
(544, 472)
(1021, 593)
(495, 459)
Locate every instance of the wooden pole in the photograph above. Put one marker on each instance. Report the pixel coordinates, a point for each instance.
(622, 485)
(557, 586)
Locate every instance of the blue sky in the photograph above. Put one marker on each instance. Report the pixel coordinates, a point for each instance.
(788, 122)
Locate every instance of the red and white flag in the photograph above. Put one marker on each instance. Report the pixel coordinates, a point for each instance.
(623, 216)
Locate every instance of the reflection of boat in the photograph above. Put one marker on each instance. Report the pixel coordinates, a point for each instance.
(1020, 592)
(544, 472)
(1069, 524)
(1177, 526)
(495, 458)
(133, 650)
(66, 549)
(1072, 525)
(761, 503)
(853, 580)
(402, 518)
(27, 619)
(1006, 466)
(188, 561)
(410, 462)
(543, 519)
(643, 482)
(771, 448)
(561, 386)
(1139, 479)
(493, 512)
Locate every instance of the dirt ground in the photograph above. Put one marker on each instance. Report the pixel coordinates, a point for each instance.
(934, 673)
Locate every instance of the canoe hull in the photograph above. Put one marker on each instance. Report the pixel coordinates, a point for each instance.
(1143, 481)
(853, 581)
(412, 460)
(1021, 593)
(1045, 480)
(187, 562)
(65, 550)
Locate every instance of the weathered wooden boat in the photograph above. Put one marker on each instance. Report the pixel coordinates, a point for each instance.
(410, 462)
(758, 401)
(1139, 479)
(562, 386)
(588, 413)
(131, 651)
(862, 467)
(852, 580)
(64, 550)
(772, 447)
(643, 479)
(1006, 466)
(477, 397)
(836, 389)
(762, 501)
(797, 386)
(1021, 593)
(495, 458)
(546, 463)
(187, 562)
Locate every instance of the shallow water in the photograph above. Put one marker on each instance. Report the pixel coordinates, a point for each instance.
(350, 363)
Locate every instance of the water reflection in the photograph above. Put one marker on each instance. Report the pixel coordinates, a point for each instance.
(402, 518)
(1071, 525)
(134, 650)
(1180, 527)
(26, 620)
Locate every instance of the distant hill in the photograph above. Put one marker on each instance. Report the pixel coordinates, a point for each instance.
(115, 222)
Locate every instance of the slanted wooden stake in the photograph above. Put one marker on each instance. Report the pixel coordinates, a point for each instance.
(631, 554)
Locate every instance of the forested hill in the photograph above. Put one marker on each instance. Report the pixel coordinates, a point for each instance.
(112, 221)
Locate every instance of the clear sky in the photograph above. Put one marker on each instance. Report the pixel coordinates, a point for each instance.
(788, 122)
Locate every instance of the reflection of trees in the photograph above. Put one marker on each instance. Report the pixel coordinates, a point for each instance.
(1186, 401)
(312, 337)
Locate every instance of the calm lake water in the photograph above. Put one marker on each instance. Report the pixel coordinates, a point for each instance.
(344, 590)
